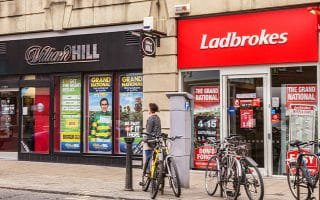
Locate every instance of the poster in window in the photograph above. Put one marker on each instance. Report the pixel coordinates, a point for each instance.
(100, 114)
(206, 122)
(246, 118)
(70, 113)
(131, 97)
(301, 102)
(302, 122)
(301, 94)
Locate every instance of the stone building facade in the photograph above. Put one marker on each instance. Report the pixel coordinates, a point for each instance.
(161, 73)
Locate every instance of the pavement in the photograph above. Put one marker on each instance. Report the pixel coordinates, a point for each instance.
(107, 182)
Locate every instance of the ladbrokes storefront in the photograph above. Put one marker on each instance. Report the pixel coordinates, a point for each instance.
(253, 75)
(72, 98)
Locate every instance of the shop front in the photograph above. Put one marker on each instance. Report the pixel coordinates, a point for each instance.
(71, 98)
(254, 75)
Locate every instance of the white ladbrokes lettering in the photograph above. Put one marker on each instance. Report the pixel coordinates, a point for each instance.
(233, 40)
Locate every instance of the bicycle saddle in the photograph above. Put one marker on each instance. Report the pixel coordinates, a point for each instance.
(296, 143)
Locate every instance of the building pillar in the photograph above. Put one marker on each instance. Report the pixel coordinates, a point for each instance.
(180, 124)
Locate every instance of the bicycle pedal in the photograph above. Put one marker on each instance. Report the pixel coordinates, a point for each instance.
(141, 184)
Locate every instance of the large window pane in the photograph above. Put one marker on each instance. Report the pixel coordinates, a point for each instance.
(35, 119)
(205, 86)
(98, 114)
(67, 114)
(294, 110)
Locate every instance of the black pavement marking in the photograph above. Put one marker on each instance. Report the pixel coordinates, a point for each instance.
(69, 193)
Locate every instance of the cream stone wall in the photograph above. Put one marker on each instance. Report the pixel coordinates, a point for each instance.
(21, 16)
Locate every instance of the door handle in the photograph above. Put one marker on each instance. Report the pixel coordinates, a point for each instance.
(269, 136)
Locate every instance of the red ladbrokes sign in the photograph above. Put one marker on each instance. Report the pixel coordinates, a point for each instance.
(257, 38)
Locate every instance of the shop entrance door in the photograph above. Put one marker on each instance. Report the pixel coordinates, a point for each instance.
(245, 114)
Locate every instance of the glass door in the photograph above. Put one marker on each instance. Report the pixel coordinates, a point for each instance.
(245, 110)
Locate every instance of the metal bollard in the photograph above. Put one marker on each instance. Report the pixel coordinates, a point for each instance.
(129, 141)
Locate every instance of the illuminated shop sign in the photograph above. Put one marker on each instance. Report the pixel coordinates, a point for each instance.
(267, 37)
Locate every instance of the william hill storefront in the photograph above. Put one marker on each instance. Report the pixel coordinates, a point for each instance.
(254, 75)
(72, 98)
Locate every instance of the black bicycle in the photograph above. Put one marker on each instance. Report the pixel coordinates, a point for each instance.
(242, 171)
(304, 178)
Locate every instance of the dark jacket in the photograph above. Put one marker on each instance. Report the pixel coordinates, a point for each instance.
(153, 127)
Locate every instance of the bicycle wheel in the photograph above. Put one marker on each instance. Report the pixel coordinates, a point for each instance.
(292, 177)
(156, 179)
(174, 180)
(145, 182)
(212, 175)
(231, 179)
(253, 182)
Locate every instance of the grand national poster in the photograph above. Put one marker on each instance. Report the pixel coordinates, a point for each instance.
(206, 122)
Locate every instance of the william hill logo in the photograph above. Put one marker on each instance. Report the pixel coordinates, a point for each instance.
(37, 55)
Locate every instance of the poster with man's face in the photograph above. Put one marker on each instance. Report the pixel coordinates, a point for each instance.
(100, 114)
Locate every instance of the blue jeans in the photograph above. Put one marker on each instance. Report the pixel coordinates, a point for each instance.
(148, 154)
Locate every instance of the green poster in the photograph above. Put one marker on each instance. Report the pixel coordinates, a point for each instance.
(70, 103)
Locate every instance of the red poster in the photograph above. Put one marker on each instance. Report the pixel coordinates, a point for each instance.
(256, 102)
(206, 94)
(206, 122)
(310, 160)
(202, 155)
(301, 94)
(246, 118)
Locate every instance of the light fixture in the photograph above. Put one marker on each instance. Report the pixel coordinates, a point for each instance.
(315, 10)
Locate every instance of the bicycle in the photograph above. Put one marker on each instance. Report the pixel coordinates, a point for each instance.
(226, 169)
(162, 165)
(304, 178)
(249, 175)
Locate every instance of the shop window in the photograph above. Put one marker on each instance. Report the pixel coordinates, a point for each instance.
(205, 86)
(67, 113)
(35, 119)
(98, 120)
(130, 109)
(294, 110)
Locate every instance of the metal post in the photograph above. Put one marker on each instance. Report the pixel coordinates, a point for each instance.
(129, 141)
